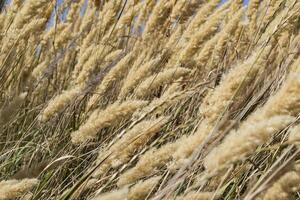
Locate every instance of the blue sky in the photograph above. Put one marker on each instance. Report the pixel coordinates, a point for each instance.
(59, 2)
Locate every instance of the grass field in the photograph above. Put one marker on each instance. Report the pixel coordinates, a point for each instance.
(152, 99)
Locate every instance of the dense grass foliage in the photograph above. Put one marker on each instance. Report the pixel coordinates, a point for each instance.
(152, 99)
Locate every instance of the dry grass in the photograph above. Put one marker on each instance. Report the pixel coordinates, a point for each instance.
(132, 99)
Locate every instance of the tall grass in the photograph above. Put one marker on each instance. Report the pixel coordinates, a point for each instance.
(132, 99)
